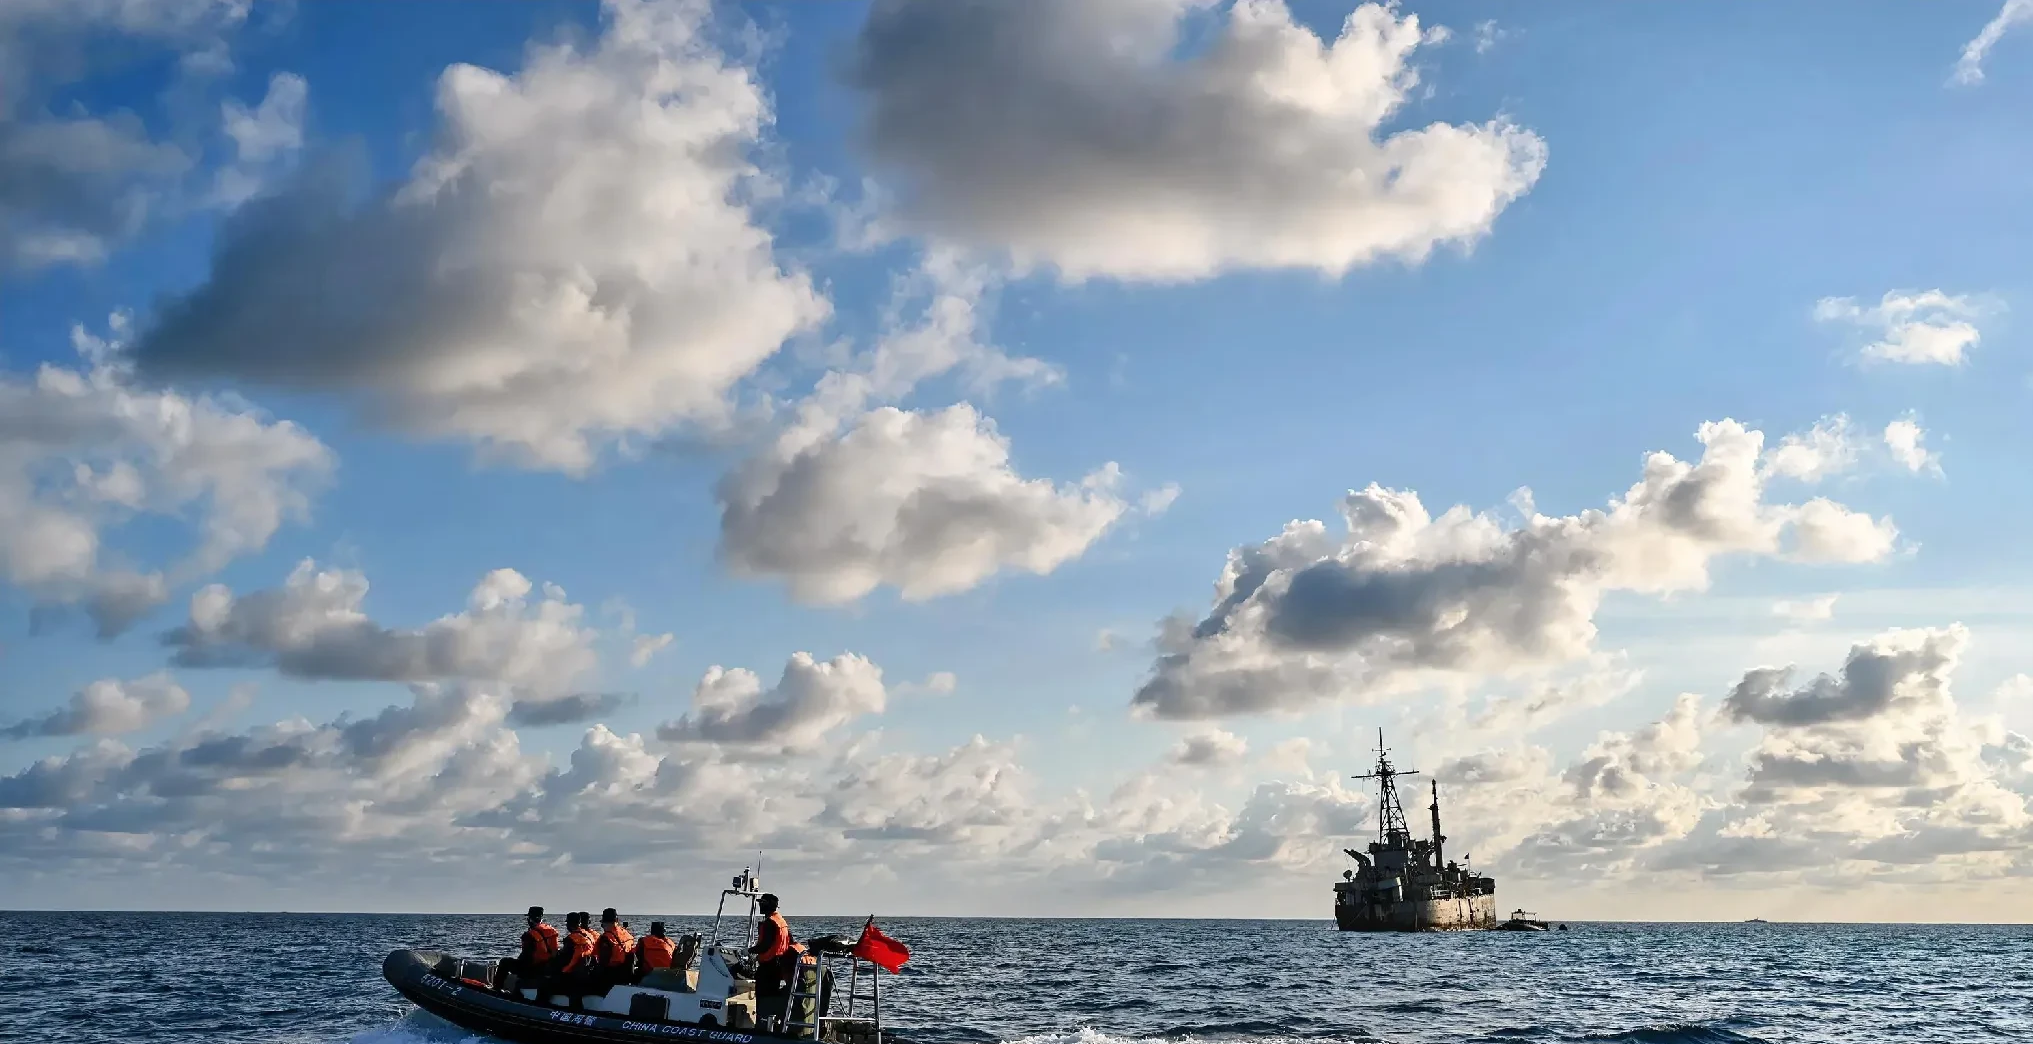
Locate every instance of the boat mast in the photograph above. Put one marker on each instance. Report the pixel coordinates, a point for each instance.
(1438, 837)
(1391, 826)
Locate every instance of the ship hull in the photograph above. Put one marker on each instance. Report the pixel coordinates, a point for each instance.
(1466, 913)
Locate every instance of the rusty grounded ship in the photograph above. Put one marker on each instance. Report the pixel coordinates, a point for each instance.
(1406, 884)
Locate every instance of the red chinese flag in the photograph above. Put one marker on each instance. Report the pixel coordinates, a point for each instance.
(884, 951)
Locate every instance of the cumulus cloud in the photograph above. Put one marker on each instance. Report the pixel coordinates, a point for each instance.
(109, 707)
(314, 627)
(1903, 439)
(809, 701)
(574, 265)
(1076, 134)
(85, 450)
(1915, 664)
(926, 502)
(850, 495)
(1969, 69)
(74, 183)
(1872, 765)
(1828, 448)
(1913, 327)
(1210, 747)
(1401, 596)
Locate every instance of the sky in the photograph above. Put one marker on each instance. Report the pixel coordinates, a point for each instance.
(1011, 457)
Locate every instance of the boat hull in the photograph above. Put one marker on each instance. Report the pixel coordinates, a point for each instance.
(413, 974)
(1464, 913)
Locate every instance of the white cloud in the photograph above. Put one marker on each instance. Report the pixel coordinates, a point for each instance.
(1809, 611)
(1969, 69)
(1156, 501)
(1487, 33)
(438, 779)
(644, 647)
(1210, 747)
(1828, 448)
(1403, 596)
(1075, 134)
(1903, 438)
(927, 503)
(85, 450)
(265, 139)
(1919, 328)
(574, 266)
(937, 683)
(846, 498)
(1874, 766)
(811, 700)
(109, 707)
(314, 627)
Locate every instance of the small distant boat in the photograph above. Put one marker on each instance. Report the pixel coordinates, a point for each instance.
(1757, 920)
(1523, 921)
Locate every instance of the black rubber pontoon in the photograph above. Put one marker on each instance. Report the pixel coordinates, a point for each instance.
(415, 974)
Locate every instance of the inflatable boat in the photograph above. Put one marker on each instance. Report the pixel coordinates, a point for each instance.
(708, 998)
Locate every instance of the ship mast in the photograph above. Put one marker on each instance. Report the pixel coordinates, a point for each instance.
(1439, 838)
(1391, 826)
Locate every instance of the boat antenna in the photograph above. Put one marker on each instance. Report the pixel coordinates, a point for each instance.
(1391, 825)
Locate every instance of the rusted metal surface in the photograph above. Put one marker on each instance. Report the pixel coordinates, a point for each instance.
(1464, 913)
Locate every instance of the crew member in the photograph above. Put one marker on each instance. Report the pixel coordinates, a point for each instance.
(614, 953)
(572, 968)
(654, 951)
(777, 956)
(539, 945)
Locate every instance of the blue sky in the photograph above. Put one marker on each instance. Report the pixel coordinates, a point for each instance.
(1189, 261)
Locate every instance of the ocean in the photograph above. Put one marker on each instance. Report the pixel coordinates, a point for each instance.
(192, 978)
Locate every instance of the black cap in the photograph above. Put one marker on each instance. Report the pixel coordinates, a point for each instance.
(656, 927)
(608, 915)
(536, 913)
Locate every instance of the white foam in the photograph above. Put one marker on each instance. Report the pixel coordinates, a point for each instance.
(418, 1027)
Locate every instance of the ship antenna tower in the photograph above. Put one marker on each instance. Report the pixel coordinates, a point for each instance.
(1391, 826)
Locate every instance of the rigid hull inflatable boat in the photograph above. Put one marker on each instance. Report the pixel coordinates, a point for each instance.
(712, 1000)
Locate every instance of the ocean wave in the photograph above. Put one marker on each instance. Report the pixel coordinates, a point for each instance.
(1677, 1033)
(1254, 1032)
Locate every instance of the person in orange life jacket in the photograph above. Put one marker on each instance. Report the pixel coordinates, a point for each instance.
(614, 953)
(654, 951)
(777, 956)
(539, 945)
(572, 969)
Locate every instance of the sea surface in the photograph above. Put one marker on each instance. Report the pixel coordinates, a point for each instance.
(165, 978)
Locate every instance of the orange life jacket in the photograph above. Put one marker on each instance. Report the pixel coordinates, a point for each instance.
(616, 945)
(582, 941)
(542, 940)
(774, 936)
(656, 951)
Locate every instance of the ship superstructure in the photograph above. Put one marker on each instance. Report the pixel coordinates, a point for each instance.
(1405, 884)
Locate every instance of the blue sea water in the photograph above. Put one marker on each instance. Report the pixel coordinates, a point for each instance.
(167, 978)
